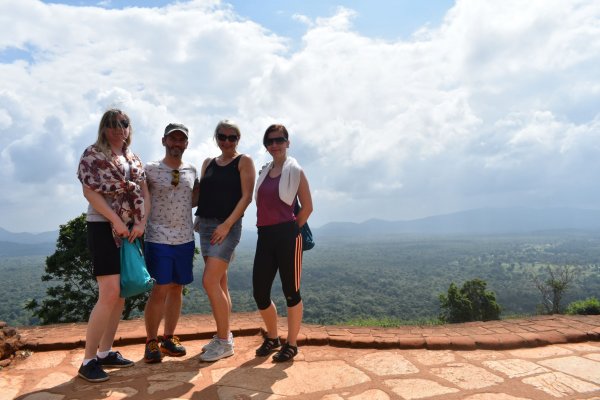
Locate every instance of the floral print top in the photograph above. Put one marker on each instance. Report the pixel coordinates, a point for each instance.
(109, 177)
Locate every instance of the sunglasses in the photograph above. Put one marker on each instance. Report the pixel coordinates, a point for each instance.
(232, 138)
(278, 140)
(175, 177)
(118, 124)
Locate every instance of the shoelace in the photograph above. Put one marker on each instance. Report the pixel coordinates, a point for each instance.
(153, 345)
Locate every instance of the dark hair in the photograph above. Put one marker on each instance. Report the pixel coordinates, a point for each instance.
(275, 128)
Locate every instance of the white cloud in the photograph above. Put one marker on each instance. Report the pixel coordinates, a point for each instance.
(496, 106)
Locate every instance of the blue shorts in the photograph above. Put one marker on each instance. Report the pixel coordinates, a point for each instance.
(223, 251)
(170, 263)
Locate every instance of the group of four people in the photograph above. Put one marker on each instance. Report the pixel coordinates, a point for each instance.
(129, 200)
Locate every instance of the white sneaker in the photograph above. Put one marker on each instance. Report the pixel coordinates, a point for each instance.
(210, 344)
(217, 351)
(214, 340)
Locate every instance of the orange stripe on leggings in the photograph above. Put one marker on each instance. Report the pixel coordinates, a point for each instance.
(298, 262)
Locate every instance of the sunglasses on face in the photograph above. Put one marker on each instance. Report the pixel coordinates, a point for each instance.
(175, 177)
(118, 124)
(232, 138)
(278, 140)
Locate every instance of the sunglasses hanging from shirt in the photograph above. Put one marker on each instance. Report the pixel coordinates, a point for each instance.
(175, 177)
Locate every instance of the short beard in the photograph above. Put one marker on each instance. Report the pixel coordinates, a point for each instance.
(175, 152)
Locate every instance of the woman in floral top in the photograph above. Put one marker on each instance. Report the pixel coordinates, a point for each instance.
(114, 184)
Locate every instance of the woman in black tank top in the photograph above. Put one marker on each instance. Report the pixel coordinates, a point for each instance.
(226, 187)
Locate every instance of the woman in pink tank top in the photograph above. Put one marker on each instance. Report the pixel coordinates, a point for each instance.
(279, 246)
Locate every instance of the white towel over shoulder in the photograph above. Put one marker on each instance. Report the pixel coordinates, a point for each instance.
(289, 182)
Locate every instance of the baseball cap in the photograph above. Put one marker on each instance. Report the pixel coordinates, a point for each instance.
(172, 127)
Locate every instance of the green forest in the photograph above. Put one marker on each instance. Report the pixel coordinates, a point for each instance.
(396, 277)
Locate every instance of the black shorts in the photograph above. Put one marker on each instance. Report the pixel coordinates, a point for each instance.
(105, 255)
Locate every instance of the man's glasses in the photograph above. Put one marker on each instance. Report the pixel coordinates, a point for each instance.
(175, 177)
(232, 138)
(278, 140)
(118, 124)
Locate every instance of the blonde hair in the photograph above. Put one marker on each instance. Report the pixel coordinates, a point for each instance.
(110, 119)
(226, 123)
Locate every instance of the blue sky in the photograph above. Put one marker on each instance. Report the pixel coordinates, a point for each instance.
(387, 19)
(396, 109)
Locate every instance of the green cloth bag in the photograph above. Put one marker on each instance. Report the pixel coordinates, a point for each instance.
(135, 278)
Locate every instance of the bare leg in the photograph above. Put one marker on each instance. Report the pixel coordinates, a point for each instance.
(102, 320)
(226, 291)
(153, 312)
(111, 327)
(294, 320)
(269, 316)
(172, 308)
(214, 270)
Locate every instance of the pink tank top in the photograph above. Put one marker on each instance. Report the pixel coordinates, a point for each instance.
(270, 210)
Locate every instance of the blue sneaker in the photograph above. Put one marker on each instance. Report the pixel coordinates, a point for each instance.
(172, 347)
(92, 372)
(114, 359)
(152, 353)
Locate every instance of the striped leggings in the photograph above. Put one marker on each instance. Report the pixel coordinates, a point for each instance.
(278, 248)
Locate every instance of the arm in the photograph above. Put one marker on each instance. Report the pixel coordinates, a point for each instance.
(139, 227)
(98, 202)
(195, 193)
(305, 201)
(247, 177)
(196, 189)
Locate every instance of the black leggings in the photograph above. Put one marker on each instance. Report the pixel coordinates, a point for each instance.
(279, 247)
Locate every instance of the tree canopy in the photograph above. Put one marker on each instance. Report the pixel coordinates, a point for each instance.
(73, 292)
(472, 302)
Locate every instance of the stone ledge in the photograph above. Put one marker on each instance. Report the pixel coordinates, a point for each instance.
(492, 335)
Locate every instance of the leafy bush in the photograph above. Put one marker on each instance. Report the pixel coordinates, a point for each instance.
(75, 293)
(589, 306)
(469, 303)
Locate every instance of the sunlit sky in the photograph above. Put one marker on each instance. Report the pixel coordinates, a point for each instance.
(396, 109)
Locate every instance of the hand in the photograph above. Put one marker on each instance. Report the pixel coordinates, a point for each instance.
(137, 231)
(220, 233)
(120, 229)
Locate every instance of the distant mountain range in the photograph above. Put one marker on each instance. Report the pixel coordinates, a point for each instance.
(27, 244)
(28, 238)
(480, 221)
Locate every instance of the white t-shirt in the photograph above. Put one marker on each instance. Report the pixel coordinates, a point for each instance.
(170, 220)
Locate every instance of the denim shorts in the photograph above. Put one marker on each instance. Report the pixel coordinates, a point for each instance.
(170, 263)
(223, 251)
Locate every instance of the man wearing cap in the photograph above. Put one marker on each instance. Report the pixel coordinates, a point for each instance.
(169, 242)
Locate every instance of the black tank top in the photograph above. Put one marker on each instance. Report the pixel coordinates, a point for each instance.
(220, 189)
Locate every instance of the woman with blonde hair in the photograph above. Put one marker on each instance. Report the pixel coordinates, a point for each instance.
(226, 186)
(114, 184)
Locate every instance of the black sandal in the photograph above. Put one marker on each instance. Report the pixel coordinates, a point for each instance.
(267, 347)
(286, 353)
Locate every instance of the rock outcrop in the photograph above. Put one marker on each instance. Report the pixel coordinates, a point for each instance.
(10, 343)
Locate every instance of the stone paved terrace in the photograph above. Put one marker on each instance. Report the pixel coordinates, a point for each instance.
(550, 357)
